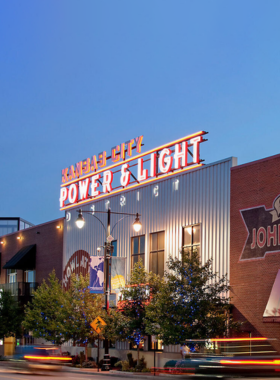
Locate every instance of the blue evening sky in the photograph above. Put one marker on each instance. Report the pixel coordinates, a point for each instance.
(80, 76)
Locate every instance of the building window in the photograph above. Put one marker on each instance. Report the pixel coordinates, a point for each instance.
(191, 239)
(8, 226)
(11, 276)
(155, 344)
(29, 276)
(114, 244)
(138, 250)
(156, 262)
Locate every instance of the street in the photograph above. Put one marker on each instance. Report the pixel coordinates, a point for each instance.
(7, 373)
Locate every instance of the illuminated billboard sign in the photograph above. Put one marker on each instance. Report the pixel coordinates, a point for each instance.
(94, 178)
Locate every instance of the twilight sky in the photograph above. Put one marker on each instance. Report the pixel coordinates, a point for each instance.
(80, 76)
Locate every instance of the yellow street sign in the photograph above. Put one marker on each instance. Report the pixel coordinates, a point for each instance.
(98, 324)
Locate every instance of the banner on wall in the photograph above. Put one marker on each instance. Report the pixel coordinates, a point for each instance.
(118, 273)
(96, 274)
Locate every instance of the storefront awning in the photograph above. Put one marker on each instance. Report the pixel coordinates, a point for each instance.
(24, 259)
(272, 310)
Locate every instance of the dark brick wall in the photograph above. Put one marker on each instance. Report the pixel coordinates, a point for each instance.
(49, 249)
(253, 184)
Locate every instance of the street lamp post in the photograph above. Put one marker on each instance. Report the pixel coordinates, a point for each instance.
(107, 250)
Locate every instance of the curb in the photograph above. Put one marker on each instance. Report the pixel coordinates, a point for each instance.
(109, 373)
(115, 373)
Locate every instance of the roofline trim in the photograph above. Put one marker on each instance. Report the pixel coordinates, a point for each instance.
(35, 226)
(255, 162)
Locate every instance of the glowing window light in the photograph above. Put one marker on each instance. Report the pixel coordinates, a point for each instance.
(189, 229)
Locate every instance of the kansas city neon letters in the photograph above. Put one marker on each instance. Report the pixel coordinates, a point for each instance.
(90, 179)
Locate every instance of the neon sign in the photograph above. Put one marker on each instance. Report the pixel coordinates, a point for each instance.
(92, 179)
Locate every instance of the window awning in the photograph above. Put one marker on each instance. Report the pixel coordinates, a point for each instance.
(24, 259)
(272, 310)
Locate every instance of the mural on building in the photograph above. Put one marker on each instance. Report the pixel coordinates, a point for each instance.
(78, 263)
(263, 228)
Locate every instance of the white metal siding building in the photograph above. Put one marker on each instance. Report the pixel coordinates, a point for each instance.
(197, 197)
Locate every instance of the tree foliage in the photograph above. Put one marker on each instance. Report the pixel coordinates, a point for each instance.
(136, 296)
(192, 304)
(47, 312)
(11, 315)
(82, 308)
(58, 316)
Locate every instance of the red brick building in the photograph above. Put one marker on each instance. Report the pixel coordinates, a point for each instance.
(255, 247)
(29, 255)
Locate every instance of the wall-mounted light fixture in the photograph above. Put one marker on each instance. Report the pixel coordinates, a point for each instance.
(137, 225)
(58, 226)
(1, 242)
(19, 237)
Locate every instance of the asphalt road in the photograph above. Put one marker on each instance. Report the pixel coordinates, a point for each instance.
(12, 375)
(8, 373)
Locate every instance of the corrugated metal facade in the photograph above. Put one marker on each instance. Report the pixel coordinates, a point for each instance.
(198, 196)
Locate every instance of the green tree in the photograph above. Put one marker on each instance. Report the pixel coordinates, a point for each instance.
(136, 296)
(83, 307)
(11, 315)
(47, 313)
(116, 323)
(58, 316)
(192, 304)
